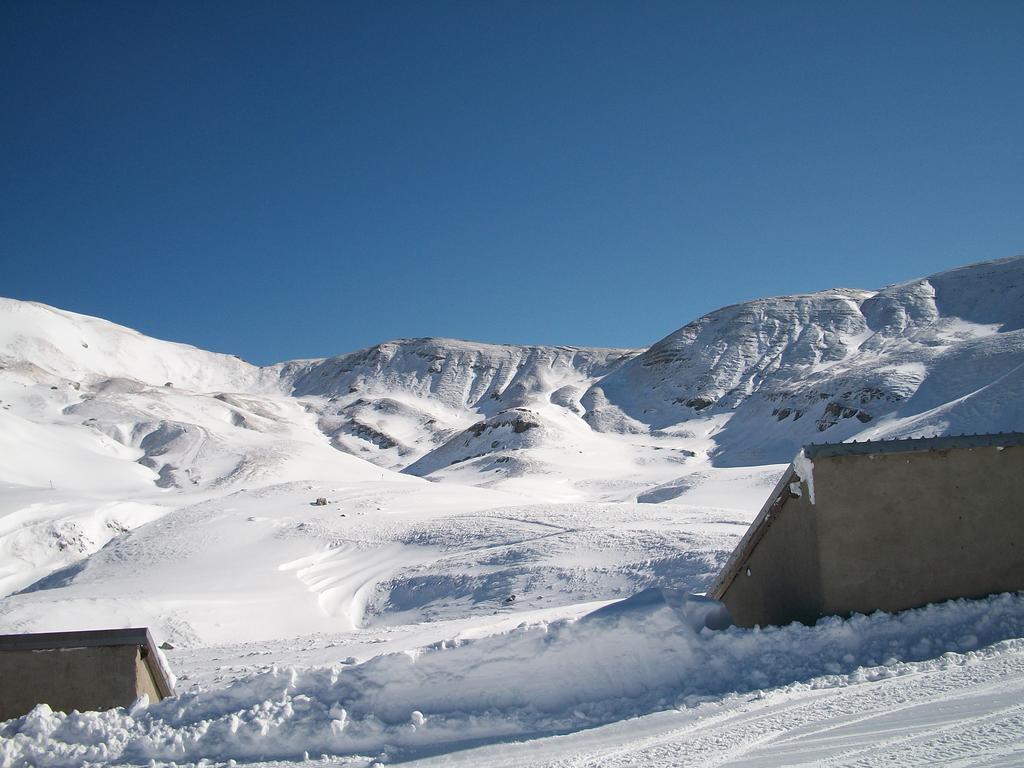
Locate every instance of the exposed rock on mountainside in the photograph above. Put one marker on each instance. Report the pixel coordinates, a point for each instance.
(514, 429)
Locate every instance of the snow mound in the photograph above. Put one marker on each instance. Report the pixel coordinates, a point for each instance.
(695, 611)
(639, 656)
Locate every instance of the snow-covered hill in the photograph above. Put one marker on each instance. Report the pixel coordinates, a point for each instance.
(103, 429)
(938, 355)
(396, 402)
(472, 493)
(35, 338)
(746, 385)
(87, 406)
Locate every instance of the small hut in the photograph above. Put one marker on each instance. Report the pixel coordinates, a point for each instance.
(882, 525)
(90, 670)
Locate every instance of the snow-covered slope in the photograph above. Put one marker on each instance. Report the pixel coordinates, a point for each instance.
(477, 500)
(745, 385)
(103, 429)
(396, 402)
(89, 407)
(74, 349)
(932, 356)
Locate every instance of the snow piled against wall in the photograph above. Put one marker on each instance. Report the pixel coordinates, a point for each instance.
(642, 656)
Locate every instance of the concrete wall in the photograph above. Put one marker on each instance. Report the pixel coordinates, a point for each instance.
(887, 531)
(780, 580)
(144, 683)
(72, 678)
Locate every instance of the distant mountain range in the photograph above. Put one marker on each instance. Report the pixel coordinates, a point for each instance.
(744, 385)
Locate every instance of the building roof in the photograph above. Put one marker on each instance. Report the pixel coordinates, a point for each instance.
(97, 638)
(902, 445)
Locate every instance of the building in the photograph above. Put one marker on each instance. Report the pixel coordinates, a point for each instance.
(882, 525)
(93, 670)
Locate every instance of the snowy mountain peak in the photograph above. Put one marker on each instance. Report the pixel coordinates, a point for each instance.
(785, 370)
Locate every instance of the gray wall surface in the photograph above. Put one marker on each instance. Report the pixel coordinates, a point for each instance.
(779, 581)
(888, 531)
(72, 678)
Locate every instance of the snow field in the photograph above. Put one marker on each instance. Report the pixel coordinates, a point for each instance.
(42, 531)
(267, 564)
(630, 659)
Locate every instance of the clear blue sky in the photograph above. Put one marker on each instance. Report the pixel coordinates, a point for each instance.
(299, 179)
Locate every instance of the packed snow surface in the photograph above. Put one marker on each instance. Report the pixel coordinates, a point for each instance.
(472, 554)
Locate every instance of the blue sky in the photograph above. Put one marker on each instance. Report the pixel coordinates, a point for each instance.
(283, 180)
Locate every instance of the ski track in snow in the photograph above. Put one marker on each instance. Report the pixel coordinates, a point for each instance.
(966, 714)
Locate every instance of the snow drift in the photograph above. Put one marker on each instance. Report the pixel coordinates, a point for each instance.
(636, 657)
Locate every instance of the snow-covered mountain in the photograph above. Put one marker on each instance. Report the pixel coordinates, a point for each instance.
(89, 407)
(376, 510)
(937, 355)
(744, 385)
(395, 403)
